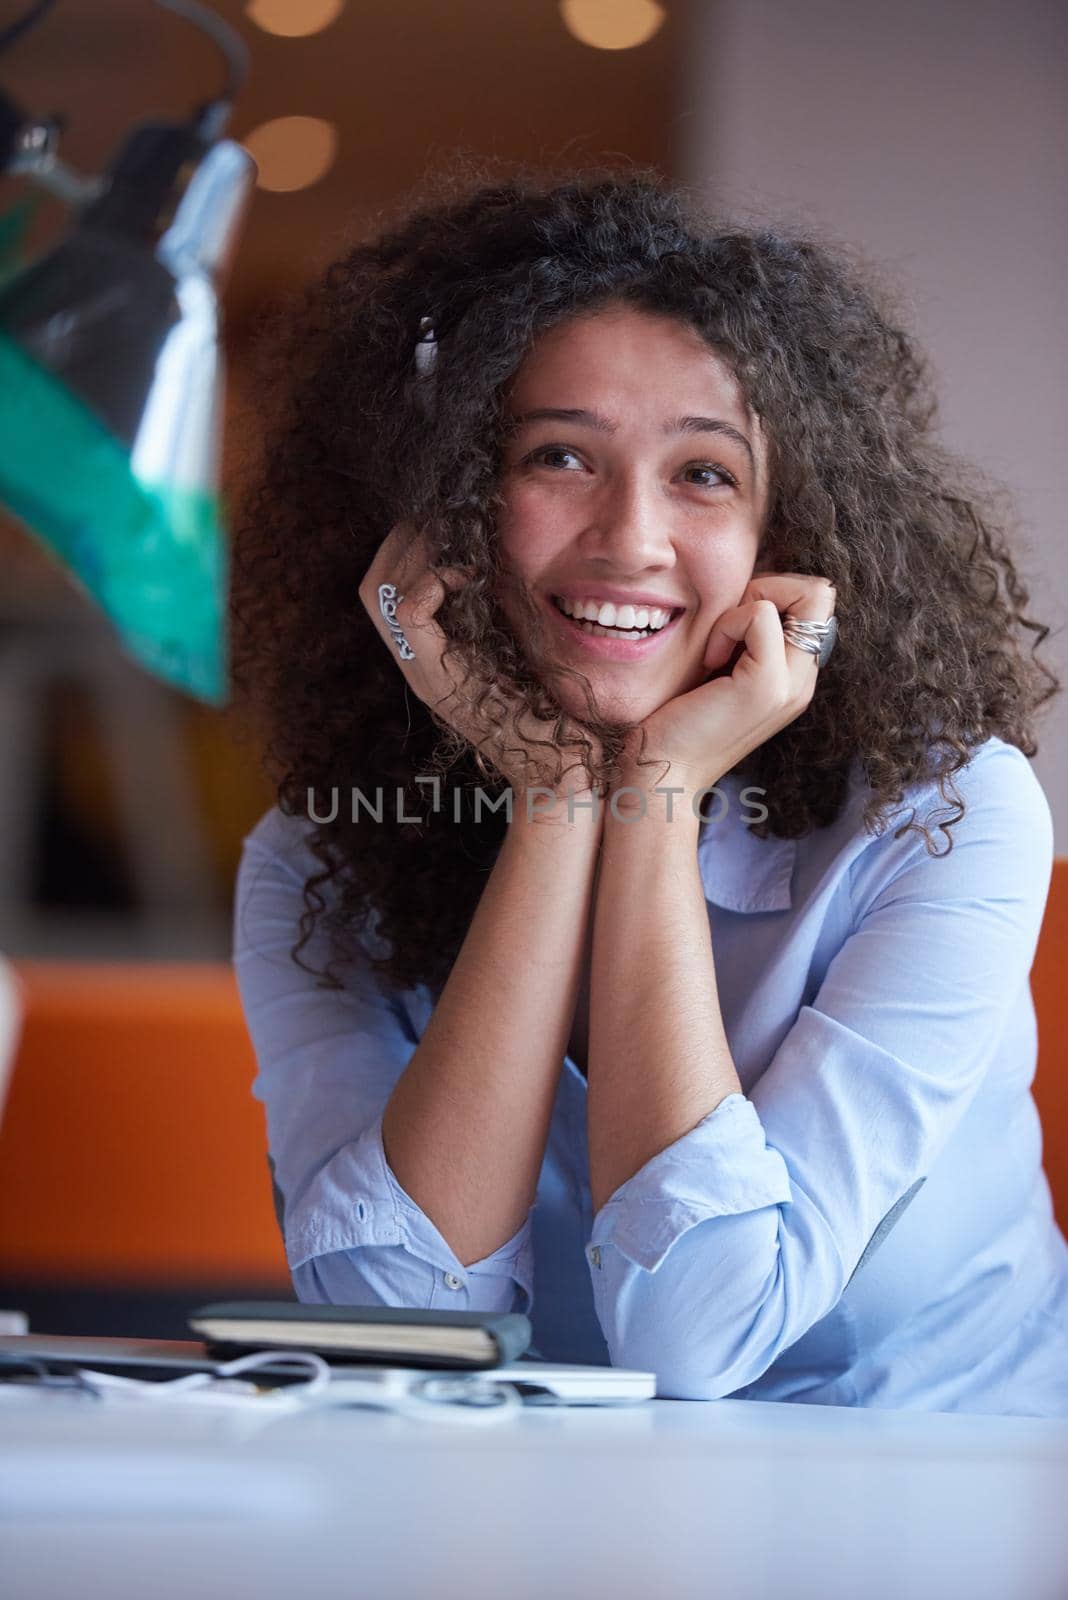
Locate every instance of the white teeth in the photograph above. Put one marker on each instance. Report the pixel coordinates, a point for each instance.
(612, 633)
(607, 615)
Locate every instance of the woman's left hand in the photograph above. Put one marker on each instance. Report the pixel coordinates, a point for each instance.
(706, 732)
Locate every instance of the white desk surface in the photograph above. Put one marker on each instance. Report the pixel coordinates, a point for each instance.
(735, 1499)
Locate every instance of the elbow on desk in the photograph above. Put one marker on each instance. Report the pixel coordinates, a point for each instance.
(674, 1382)
(701, 1346)
(695, 1371)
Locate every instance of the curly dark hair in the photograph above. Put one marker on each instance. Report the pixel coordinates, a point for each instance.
(929, 663)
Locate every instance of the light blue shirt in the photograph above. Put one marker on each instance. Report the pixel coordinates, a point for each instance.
(868, 1223)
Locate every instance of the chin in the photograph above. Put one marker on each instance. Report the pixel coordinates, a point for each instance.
(615, 705)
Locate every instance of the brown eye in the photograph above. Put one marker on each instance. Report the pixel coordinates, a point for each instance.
(711, 466)
(548, 450)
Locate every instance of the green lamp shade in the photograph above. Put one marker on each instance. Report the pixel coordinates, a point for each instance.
(153, 555)
(14, 227)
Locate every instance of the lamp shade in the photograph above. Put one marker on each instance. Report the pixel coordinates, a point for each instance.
(111, 390)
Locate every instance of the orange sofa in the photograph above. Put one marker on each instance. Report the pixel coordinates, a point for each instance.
(131, 1150)
(1050, 990)
(133, 1153)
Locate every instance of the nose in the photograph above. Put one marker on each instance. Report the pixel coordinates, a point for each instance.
(628, 530)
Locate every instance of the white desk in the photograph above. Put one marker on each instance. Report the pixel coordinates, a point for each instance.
(734, 1499)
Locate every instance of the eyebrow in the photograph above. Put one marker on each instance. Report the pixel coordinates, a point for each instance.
(592, 419)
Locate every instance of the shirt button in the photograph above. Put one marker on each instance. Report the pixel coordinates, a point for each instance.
(595, 1254)
(452, 1281)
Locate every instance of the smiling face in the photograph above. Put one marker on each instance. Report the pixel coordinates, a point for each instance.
(651, 488)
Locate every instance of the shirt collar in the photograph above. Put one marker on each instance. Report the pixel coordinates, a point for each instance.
(740, 871)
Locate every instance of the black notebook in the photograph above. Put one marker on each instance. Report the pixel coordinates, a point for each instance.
(394, 1335)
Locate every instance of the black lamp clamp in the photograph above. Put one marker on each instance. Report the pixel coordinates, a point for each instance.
(136, 195)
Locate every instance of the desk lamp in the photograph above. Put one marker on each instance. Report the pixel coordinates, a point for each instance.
(111, 372)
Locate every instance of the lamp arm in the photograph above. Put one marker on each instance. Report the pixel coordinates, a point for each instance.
(28, 20)
(29, 146)
(213, 116)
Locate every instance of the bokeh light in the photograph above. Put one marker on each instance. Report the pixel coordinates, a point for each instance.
(292, 152)
(294, 19)
(612, 24)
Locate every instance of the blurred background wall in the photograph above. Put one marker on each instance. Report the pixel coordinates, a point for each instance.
(930, 138)
(934, 138)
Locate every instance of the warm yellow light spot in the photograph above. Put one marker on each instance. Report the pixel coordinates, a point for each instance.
(293, 19)
(292, 152)
(612, 24)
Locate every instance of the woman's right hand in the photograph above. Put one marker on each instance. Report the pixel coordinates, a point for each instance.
(402, 560)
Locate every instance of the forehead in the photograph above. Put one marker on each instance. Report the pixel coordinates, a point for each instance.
(638, 358)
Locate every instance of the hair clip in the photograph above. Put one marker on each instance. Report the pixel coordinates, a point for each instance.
(426, 350)
(426, 356)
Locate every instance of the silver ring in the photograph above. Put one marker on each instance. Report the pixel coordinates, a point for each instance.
(817, 638)
(388, 600)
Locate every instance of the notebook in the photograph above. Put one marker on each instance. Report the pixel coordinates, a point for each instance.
(538, 1382)
(398, 1335)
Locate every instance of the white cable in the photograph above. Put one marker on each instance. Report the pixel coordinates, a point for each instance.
(470, 1398)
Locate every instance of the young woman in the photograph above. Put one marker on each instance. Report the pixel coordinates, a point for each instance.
(586, 974)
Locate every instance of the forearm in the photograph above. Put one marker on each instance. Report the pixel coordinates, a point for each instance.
(466, 1126)
(659, 1058)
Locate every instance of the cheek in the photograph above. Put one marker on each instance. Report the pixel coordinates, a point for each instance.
(722, 583)
(530, 530)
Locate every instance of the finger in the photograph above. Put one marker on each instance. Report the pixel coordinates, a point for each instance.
(796, 594)
(728, 631)
(391, 564)
(436, 676)
(755, 625)
(403, 559)
(805, 596)
(427, 592)
(421, 599)
(768, 646)
(401, 562)
(401, 556)
(414, 613)
(395, 599)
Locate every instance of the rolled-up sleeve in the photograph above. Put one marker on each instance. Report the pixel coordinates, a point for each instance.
(327, 1064)
(726, 1247)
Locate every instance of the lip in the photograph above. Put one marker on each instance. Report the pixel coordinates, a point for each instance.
(611, 649)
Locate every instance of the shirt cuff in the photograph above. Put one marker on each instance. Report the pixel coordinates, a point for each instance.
(722, 1167)
(355, 1200)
